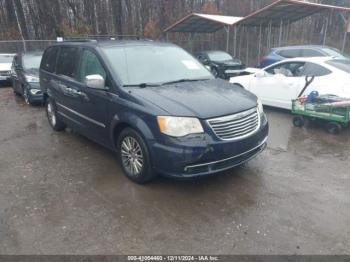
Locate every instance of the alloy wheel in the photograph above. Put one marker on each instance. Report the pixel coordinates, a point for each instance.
(51, 114)
(26, 96)
(132, 156)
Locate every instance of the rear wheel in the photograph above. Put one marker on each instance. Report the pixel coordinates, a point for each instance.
(134, 157)
(333, 128)
(298, 121)
(51, 113)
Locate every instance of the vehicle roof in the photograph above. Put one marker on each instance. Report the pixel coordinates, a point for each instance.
(212, 51)
(310, 59)
(111, 43)
(7, 54)
(301, 46)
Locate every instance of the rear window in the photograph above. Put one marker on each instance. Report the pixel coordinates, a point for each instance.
(343, 65)
(290, 53)
(6, 58)
(310, 53)
(48, 62)
(67, 61)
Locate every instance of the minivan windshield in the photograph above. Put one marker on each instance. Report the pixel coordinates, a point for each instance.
(144, 64)
(219, 56)
(31, 61)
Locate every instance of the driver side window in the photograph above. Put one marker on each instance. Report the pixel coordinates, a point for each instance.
(292, 69)
(90, 65)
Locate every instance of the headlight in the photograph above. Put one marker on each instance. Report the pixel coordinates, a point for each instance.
(179, 126)
(260, 107)
(34, 91)
(32, 79)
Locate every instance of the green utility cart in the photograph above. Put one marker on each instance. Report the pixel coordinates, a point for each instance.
(335, 117)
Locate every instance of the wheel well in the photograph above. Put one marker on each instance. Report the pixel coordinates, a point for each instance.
(117, 130)
(238, 85)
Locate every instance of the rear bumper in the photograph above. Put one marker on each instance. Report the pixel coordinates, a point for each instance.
(205, 155)
(5, 78)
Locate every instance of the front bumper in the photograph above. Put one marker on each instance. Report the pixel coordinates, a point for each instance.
(37, 96)
(204, 154)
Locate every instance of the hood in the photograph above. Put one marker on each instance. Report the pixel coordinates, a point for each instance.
(5, 66)
(202, 99)
(32, 71)
(233, 62)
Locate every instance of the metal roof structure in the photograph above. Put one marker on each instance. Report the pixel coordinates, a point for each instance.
(287, 10)
(202, 23)
(280, 14)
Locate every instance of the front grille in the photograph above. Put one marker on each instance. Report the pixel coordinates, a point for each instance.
(237, 126)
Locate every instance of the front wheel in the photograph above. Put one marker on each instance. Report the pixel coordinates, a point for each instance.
(51, 113)
(134, 157)
(26, 96)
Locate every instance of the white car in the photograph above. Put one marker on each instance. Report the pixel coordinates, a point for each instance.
(5, 66)
(277, 84)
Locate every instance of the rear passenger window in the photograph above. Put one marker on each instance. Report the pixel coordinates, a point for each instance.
(310, 53)
(48, 62)
(90, 65)
(67, 62)
(290, 53)
(312, 69)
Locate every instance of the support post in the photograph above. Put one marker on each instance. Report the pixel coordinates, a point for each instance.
(259, 45)
(235, 42)
(281, 31)
(190, 39)
(227, 29)
(247, 47)
(344, 41)
(325, 31)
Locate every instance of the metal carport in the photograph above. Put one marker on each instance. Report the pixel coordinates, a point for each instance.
(280, 14)
(204, 23)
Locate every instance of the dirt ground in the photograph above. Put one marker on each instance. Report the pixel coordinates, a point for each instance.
(62, 194)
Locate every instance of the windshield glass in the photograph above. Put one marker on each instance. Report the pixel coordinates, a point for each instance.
(334, 52)
(31, 61)
(219, 56)
(343, 65)
(154, 64)
(6, 58)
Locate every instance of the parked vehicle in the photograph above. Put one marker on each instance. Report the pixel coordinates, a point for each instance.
(25, 77)
(220, 63)
(281, 53)
(277, 85)
(5, 67)
(150, 102)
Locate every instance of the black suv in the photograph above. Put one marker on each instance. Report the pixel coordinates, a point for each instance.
(154, 104)
(25, 76)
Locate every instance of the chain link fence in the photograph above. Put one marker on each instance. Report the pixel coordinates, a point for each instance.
(18, 46)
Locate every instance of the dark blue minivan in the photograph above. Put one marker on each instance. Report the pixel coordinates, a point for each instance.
(154, 104)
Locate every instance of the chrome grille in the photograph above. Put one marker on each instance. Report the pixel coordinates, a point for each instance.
(237, 126)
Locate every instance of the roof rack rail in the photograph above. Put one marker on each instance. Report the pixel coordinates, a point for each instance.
(96, 38)
(78, 39)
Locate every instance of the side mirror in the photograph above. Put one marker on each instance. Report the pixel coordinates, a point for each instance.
(95, 81)
(260, 74)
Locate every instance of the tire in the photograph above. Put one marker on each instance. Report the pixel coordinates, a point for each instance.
(333, 128)
(215, 72)
(298, 121)
(26, 96)
(51, 113)
(134, 157)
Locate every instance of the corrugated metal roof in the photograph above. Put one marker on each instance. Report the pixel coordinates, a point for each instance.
(202, 23)
(286, 10)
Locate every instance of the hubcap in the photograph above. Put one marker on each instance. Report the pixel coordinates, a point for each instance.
(51, 114)
(132, 156)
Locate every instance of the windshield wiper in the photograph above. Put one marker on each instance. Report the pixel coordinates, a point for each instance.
(184, 80)
(142, 85)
